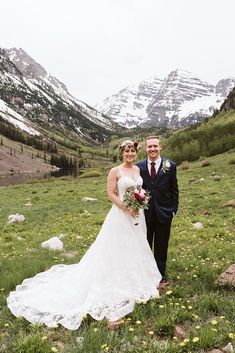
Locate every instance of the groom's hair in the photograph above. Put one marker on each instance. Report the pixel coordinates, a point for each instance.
(152, 137)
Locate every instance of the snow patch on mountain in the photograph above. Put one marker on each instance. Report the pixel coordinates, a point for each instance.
(16, 119)
(33, 92)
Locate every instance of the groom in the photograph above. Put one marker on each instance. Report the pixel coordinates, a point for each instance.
(159, 177)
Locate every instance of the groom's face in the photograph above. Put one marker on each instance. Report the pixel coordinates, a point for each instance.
(153, 149)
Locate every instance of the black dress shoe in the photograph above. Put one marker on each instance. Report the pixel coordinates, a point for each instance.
(164, 277)
(164, 280)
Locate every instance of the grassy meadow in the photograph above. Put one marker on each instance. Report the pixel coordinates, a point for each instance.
(196, 258)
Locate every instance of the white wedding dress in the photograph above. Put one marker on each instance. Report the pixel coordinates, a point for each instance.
(117, 270)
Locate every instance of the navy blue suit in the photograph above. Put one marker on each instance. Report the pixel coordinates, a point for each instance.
(162, 207)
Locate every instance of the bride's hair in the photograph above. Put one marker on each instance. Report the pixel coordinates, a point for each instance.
(127, 144)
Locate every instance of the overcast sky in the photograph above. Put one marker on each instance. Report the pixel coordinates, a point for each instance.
(97, 47)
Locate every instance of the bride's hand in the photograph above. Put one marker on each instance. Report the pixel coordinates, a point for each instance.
(133, 213)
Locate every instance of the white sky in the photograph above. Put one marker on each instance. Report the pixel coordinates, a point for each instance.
(97, 47)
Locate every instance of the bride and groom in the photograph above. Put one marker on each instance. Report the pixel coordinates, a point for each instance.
(119, 268)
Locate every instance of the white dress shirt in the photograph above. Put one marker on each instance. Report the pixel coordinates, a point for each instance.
(157, 164)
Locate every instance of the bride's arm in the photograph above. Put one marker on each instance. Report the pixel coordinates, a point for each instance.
(112, 188)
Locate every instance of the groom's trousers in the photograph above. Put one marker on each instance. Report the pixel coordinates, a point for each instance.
(158, 235)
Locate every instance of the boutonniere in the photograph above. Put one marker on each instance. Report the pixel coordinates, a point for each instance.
(166, 165)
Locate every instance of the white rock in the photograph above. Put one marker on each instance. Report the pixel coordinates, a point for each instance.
(229, 348)
(13, 218)
(29, 204)
(88, 199)
(80, 341)
(19, 238)
(198, 225)
(53, 243)
(61, 236)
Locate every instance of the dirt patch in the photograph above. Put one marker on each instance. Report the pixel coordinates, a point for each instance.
(18, 162)
(18, 167)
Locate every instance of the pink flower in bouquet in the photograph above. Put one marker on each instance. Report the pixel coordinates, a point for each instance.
(136, 198)
(139, 196)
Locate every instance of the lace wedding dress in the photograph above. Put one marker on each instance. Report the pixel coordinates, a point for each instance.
(116, 271)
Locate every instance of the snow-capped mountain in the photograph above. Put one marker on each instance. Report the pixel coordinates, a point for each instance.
(36, 102)
(180, 99)
(128, 107)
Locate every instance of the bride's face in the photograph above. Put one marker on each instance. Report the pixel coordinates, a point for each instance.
(129, 154)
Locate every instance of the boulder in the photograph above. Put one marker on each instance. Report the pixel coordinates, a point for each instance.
(198, 225)
(227, 277)
(229, 348)
(229, 203)
(53, 243)
(88, 199)
(28, 204)
(13, 218)
(179, 332)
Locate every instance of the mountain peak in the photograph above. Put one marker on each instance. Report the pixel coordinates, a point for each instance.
(25, 63)
(180, 99)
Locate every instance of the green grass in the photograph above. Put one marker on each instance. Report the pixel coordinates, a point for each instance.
(196, 258)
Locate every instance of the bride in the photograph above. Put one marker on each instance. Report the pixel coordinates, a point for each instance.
(117, 271)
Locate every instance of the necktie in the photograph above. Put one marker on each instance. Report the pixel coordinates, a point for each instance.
(153, 170)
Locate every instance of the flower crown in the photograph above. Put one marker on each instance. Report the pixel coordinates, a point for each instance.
(129, 143)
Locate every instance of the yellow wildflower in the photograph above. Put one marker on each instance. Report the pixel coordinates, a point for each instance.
(195, 339)
(169, 292)
(186, 340)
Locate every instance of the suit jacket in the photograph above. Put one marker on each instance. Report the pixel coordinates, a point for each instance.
(163, 190)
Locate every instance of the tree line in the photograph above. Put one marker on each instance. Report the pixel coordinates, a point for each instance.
(11, 132)
(205, 140)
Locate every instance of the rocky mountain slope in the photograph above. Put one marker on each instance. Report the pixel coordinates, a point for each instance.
(39, 104)
(181, 99)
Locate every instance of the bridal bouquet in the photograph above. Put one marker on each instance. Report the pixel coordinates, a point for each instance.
(136, 198)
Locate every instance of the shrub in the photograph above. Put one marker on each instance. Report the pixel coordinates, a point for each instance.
(205, 163)
(184, 165)
(90, 174)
